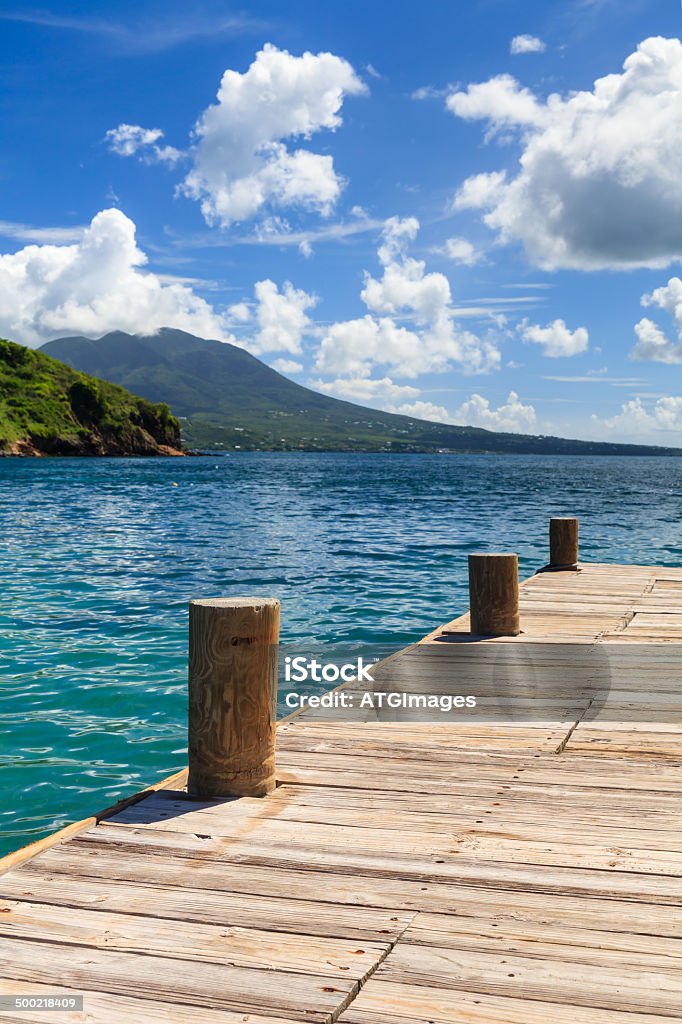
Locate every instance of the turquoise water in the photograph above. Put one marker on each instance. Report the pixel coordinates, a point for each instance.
(98, 559)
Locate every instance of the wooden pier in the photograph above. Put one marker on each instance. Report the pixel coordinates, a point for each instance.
(403, 872)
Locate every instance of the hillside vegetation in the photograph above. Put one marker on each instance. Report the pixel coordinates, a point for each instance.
(47, 408)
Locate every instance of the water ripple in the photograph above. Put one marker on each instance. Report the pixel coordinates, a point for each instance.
(99, 558)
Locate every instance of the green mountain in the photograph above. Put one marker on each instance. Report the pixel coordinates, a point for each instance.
(228, 399)
(47, 408)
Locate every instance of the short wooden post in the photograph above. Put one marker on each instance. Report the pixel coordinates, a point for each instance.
(232, 696)
(563, 543)
(494, 594)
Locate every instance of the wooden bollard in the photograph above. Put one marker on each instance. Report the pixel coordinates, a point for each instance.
(494, 594)
(563, 543)
(232, 696)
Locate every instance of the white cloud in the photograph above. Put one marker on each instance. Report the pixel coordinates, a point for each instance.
(95, 286)
(352, 347)
(425, 411)
(100, 285)
(281, 316)
(599, 183)
(276, 232)
(241, 160)
(131, 139)
(241, 312)
(287, 366)
(513, 416)
(384, 394)
(526, 44)
(652, 343)
(501, 101)
(480, 190)
(556, 339)
(431, 342)
(460, 250)
(363, 389)
(429, 92)
(634, 420)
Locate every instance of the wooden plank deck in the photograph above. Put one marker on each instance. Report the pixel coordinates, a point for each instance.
(405, 872)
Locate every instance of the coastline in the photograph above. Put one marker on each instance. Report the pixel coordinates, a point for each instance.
(27, 450)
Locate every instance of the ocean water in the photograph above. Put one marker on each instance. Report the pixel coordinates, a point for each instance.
(98, 559)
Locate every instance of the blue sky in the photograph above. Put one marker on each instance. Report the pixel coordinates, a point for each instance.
(427, 208)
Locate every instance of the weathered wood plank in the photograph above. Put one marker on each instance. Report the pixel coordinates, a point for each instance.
(384, 1002)
(102, 1008)
(565, 981)
(161, 979)
(554, 941)
(524, 823)
(493, 895)
(272, 911)
(654, 888)
(226, 944)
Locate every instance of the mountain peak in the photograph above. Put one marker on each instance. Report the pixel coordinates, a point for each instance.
(230, 400)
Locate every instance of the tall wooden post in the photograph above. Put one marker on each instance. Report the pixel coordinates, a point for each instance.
(232, 696)
(494, 594)
(563, 543)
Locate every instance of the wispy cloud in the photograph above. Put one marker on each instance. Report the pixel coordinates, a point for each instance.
(42, 236)
(328, 233)
(431, 92)
(614, 382)
(493, 300)
(529, 284)
(480, 312)
(191, 282)
(143, 35)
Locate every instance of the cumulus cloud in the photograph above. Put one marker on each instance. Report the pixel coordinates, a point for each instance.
(240, 312)
(131, 140)
(425, 411)
(526, 44)
(432, 341)
(652, 343)
(513, 416)
(95, 286)
(287, 366)
(242, 160)
(479, 190)
(635, 420)
(460, 250)
(100, 284)
(281, 317)
(384, 394)
(363, 389)
(352, 347)
(599, 183)
(556, 339)
(501, 101)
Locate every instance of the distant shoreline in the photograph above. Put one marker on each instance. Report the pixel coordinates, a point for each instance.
(177, 453)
